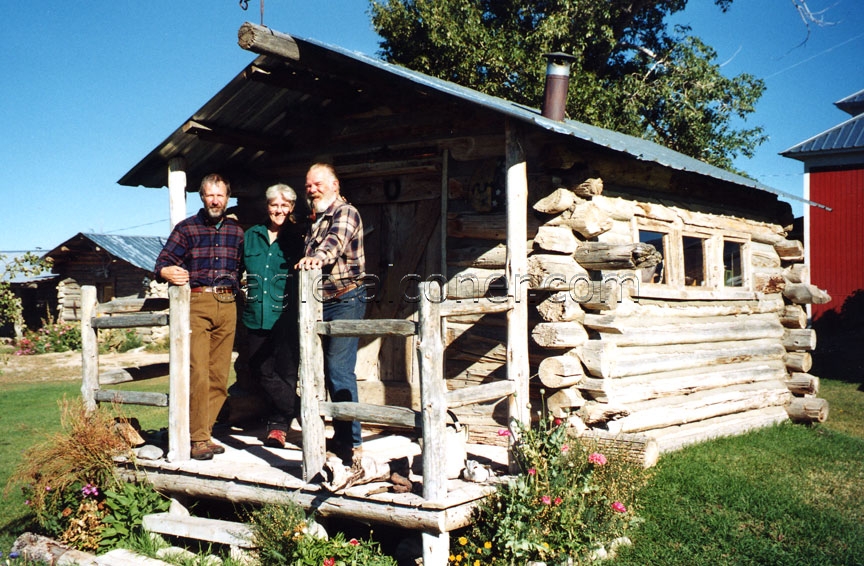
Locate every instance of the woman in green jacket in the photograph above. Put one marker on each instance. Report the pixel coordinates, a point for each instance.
(270, 314)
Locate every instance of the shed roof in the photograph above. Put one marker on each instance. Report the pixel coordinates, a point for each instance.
(300, 106)
(847, 137)
(852, 104)
(140, 251)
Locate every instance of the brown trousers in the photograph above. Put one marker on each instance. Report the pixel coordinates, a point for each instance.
(212, 321)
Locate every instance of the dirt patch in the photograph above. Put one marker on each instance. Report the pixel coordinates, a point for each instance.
(67, 365)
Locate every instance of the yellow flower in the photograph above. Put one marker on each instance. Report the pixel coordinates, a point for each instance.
(451, 558)
(476, 563)
(487, 545)
(463, 541)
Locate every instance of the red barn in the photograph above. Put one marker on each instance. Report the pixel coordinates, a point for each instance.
(834, 176)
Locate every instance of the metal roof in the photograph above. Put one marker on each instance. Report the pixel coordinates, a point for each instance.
(282, 115)
(852, 104)
(140, 251)
(847, 137)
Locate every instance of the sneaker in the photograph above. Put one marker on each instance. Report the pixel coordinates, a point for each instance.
(276, 438)
(215, 448)
(201, 450)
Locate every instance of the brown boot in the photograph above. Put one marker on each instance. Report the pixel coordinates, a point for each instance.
(215, 448)
(201, 450)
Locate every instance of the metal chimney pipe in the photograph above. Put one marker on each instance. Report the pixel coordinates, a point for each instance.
(557, 82)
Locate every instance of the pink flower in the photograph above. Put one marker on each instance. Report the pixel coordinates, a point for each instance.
(565, 448)
(532, 471)
(597, 458)
(558, 501)
(546, 500)
(354, 542)
(619, 507)
(503, 432)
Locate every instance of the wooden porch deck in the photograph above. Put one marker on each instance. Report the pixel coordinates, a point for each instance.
(251, 473)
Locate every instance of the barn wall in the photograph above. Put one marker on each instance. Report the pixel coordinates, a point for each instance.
(835, 234)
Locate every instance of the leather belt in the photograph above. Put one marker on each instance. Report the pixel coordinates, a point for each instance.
(347, 288)
(214, 290)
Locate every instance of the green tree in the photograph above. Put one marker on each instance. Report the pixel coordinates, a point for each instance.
(28, 265)
(631, 72)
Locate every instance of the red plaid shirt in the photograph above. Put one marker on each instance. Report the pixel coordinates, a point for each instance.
(336, 238)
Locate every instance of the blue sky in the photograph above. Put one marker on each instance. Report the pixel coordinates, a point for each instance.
(89, 88)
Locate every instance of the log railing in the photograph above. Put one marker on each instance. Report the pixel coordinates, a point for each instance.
(135, 313)
(435, 400)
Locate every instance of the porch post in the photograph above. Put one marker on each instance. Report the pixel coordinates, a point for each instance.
(516, 269)
(311, 374)
(177, 189)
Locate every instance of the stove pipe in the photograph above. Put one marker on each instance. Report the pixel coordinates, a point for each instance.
(557, 82)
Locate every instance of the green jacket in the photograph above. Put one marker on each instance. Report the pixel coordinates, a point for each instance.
(271, 282)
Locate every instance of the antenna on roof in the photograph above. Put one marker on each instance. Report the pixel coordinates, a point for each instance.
(244, 4)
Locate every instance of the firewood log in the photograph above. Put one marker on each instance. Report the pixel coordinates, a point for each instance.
(799, 340)
(808, 410)
(596, 255)
(585, 218)
(790, 250)
(803, 294)
(556, 372)
(801, 384)
(798, 361)
(559, 334)
(557, 202)
(564, 401)
(793, 316)
(588, 188)
(560, 307)
(556, 239)
(554, 272)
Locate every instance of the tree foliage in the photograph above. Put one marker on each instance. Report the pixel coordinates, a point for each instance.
(28, 265)
(631, 72)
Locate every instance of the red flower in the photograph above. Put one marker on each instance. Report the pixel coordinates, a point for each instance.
(558, 501)
(354, 542)
(329, 561)
(557, 421)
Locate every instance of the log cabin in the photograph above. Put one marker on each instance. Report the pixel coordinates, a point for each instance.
(646, 298)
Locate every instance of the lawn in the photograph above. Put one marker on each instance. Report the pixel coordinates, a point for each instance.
(791, 494)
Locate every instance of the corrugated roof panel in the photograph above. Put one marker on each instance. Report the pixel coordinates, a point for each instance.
(845, 137)
(852, 104)
(140, 251)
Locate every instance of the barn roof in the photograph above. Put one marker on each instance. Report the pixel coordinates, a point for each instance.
(847, 137)
(852, 104)
(323, 102)
(140, 251)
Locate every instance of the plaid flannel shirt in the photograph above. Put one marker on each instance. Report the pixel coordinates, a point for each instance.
(211, 253)
(336, 238)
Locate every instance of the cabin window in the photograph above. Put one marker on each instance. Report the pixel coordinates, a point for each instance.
(733, 275)
(694, 261)
(657, 273)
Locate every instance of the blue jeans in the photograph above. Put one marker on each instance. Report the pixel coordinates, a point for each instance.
(340, 357)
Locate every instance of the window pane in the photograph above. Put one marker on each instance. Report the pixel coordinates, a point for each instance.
(653, 274)
(732, 276)
(694, 261)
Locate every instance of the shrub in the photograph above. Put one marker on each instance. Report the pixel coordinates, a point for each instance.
(567, 501)
(283, 536)
(62, 477)
(125, 509)
(119, 340)
(52, 337)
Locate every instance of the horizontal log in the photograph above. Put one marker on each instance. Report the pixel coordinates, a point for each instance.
(647, 332)
(479, 306)
(801, 384)
(636, 388)
(798, 361)
(556, 372)
(636, 448)
(131, 397)
(790, 250)
(372, 414)
(593, 413)
(130, 320)
(808, 410)
(797, 273)
(559, 239)
(799, 339)
(564, 401)
(676, 437)
(113, 376)
(554, 272)
(264, 41)
(200, 528)
(485, 226)
(482, 393)
(585, 218)
(560, 307)
(793, 316)
(599, 256)
(607, 360)
(670, 411)
(805, 294)
(763, 255)
(558, 201)
(371, 327)
(559, 334)
(130, 305)
(486, 257)
(768, 282)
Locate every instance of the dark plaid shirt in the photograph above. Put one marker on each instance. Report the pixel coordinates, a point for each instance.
(211, 253)
(337, 240)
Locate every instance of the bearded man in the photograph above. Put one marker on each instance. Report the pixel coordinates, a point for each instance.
(205, 251)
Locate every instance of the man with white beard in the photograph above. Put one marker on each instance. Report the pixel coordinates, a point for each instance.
(334, 243)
